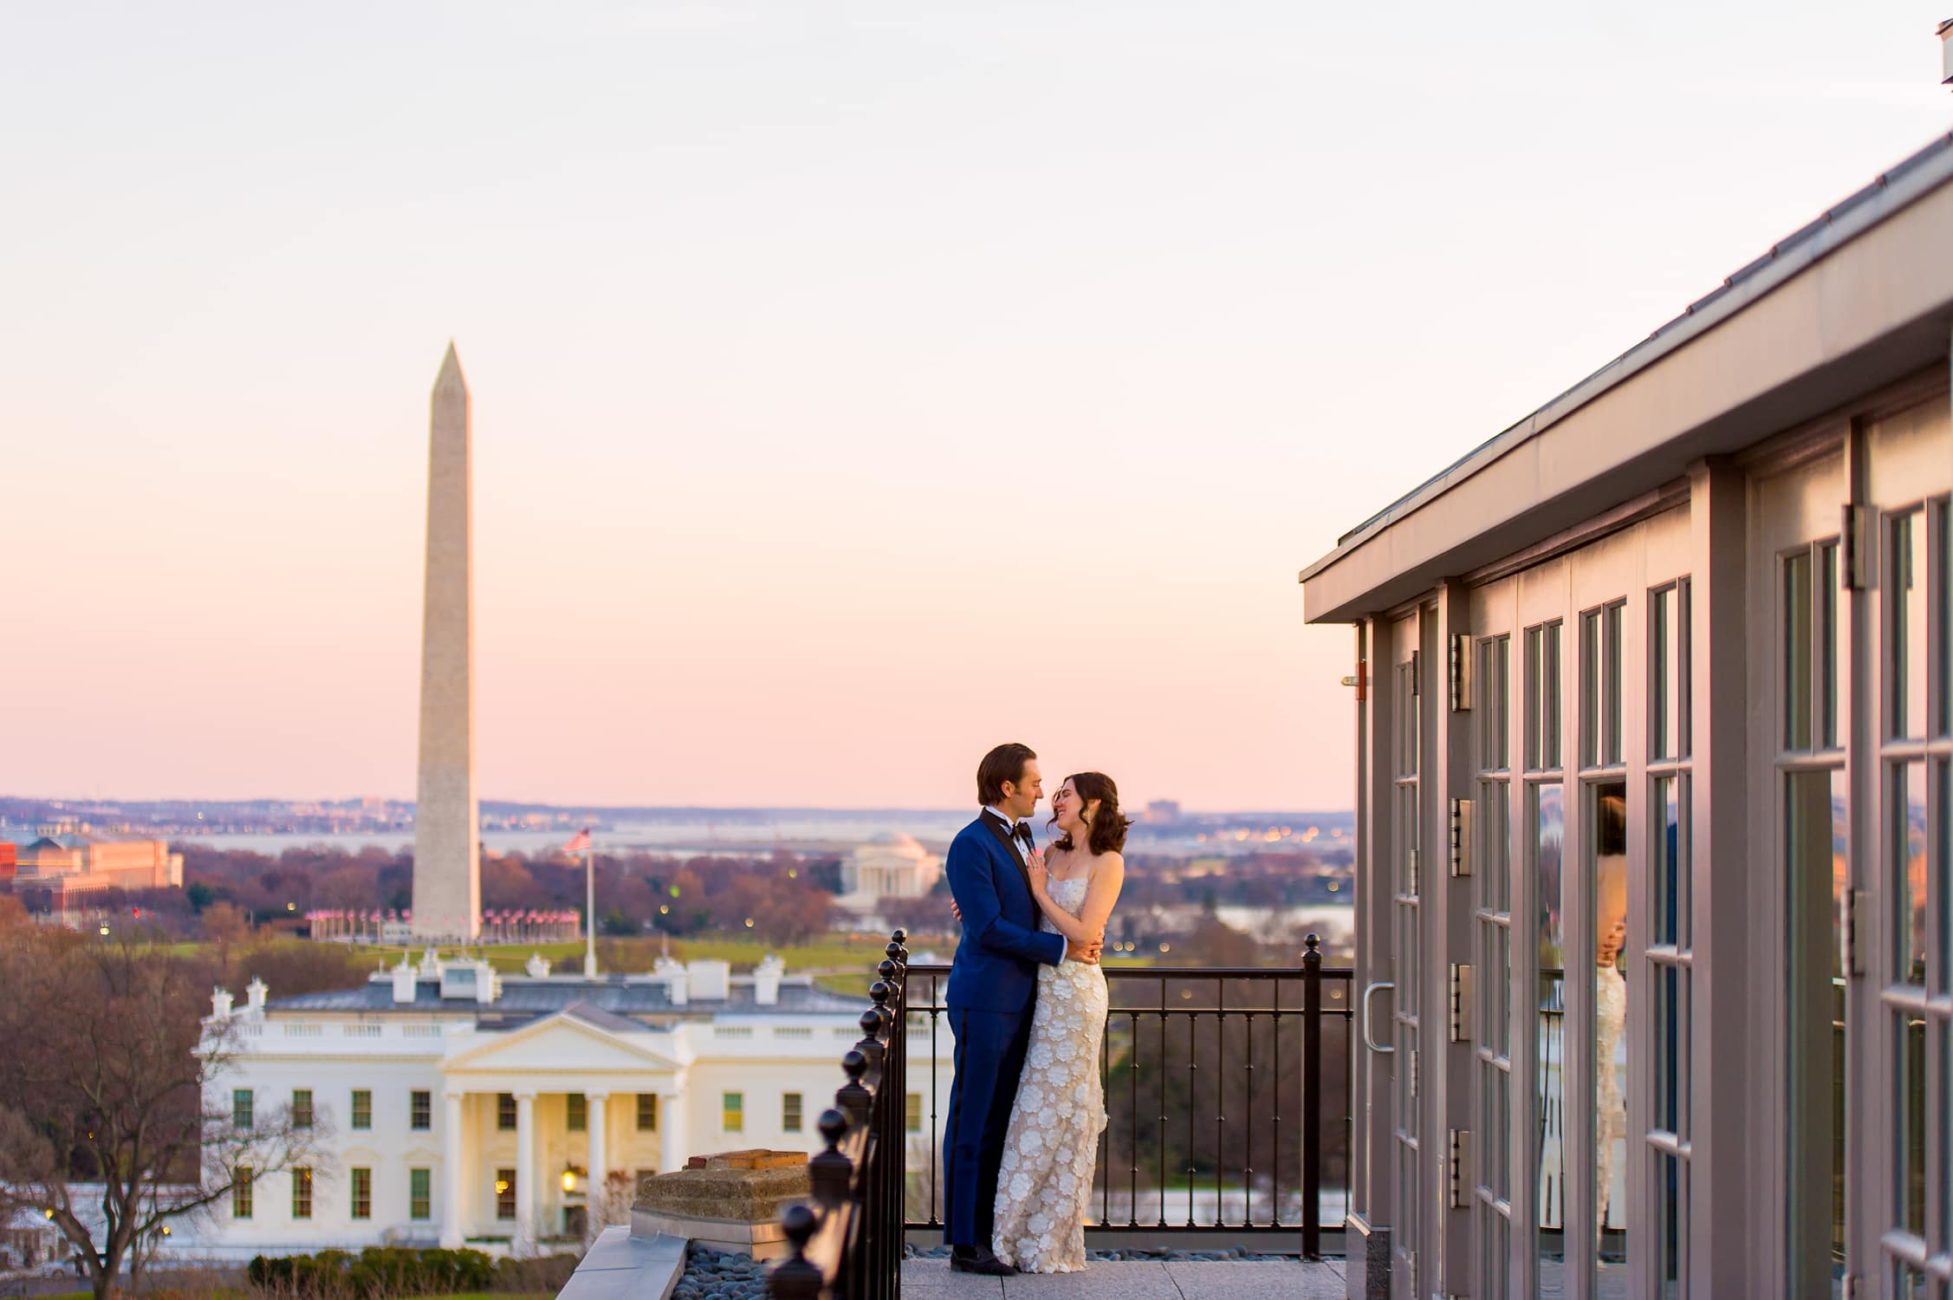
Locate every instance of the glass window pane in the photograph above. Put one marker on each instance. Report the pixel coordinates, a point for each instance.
(1494, 712)
(1493, 818)
(1495, 1125)
(1664, 684)
(1815, 877)
(1671, 1040)
(1939, 890)
(1908, 858)
(1945, 1111)
(1610, 699)
(1495, 1256)
(1797, 651)
(1826, 651)
(1943, 613)
(1910, 1079)
(1498, 1008)
(1547, 822)
(1408, 720)
(1550, 696)
(1666, 872)
(1668, 1225)
(1534, 638)
(1906, 663)
(1683, 688)
(1543, 697)
(1607, 865)
(1593, 690)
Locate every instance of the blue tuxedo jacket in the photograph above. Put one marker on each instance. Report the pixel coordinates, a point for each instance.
(995, 968)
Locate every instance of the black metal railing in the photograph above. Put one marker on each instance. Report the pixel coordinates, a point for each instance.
(1270, 1097)
(1227, 1100)
(846, 1244)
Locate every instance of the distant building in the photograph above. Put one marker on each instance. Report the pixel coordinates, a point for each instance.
(891, 865)
(463, 1107)
(1162, 812)
(75, 866)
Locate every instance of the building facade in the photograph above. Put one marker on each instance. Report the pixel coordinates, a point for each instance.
(72, 867)
(1655, 802)
(891, 865)
(454, 1106)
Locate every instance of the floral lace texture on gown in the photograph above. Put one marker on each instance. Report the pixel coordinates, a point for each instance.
(1045, 1182)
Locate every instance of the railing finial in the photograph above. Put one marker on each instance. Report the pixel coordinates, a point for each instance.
(852, 1098)
(795, 1278)
(830, 1171)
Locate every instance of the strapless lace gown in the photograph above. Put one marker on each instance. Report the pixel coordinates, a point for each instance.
(1045, 1183)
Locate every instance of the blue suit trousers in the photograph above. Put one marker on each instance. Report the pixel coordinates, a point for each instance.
(990, 1048)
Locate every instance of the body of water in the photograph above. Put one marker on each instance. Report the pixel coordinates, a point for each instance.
(682, 836)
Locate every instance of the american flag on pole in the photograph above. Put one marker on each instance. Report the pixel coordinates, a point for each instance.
(578, 842)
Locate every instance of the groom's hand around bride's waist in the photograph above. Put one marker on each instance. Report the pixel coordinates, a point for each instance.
(1086, 951)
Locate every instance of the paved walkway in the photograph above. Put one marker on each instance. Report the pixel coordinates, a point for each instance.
(930, 1279)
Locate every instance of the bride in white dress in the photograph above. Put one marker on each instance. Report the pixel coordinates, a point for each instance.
(1044, 1185)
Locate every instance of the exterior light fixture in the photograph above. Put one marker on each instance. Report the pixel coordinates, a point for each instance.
(569, 1180)
(105, 929)
(664, 909)
(749, 923)
(1166, 947)
(501, 1186)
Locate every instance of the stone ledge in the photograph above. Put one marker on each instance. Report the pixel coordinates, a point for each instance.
(732, 1204)
(621, 1266)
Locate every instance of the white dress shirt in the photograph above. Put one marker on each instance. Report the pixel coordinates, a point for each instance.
(1011, 824)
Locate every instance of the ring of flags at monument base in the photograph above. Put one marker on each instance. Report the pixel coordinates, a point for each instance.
(503, 916)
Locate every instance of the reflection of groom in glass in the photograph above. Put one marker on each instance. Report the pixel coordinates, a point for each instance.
(992, 984)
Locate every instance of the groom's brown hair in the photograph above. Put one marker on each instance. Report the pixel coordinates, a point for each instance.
(1004, 763)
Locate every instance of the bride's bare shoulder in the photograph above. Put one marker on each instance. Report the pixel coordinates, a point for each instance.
(1111, 861)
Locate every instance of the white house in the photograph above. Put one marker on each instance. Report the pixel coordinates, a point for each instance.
(461, 1107)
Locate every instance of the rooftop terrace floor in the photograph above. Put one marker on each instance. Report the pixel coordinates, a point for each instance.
(931, 1279)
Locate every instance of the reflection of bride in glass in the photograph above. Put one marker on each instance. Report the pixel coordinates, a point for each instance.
(1610, 990)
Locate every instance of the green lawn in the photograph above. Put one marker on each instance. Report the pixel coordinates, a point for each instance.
(841, 964)
(835, 954)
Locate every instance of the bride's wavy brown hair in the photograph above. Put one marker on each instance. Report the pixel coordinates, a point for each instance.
(1109, 827)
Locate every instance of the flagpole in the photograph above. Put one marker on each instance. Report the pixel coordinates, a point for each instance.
(590, 908)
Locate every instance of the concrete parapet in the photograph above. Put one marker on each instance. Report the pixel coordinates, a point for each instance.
(733, 1203)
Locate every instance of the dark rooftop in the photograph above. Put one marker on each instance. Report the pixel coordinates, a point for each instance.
(523, 1000)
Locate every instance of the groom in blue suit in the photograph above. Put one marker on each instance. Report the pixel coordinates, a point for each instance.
(992, 986)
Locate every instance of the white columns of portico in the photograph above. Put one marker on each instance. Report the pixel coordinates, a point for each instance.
(598, 1167)
(525, 1173)
(673, 1128)
(453, 1148)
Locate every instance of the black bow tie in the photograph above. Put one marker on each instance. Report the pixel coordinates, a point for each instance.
(1021, 832)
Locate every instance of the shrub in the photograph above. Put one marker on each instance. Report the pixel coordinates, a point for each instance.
(376, 1273)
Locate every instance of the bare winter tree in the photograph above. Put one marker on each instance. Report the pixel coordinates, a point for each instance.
(111, 1122)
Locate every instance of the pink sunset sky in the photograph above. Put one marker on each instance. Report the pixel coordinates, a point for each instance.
(856, 385)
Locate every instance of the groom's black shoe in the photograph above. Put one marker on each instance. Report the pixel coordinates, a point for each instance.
(968, 1259)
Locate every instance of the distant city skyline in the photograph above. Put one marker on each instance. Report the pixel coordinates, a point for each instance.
(853, 390)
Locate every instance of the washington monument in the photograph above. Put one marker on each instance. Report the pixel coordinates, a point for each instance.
(447, 856)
